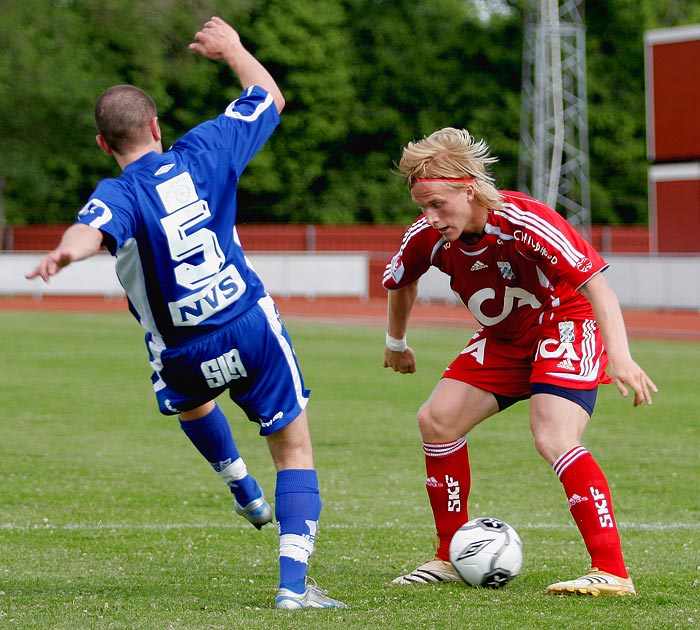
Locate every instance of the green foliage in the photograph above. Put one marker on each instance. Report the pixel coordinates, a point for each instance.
(361, 78)
(415, 67)
(39, 158)
(617, 130)
(111, 519)
(307, 51)
(58, 57)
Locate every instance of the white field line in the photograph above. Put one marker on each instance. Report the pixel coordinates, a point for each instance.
(654, 527)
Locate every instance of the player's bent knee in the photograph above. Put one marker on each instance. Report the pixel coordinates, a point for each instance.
(434, 427)
(425, 419)
(551, 449)
(543, 448)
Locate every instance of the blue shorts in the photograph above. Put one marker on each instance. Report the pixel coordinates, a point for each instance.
(253, 359)
(584, 398)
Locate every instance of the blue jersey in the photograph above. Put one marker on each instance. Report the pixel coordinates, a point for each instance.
(170, 218)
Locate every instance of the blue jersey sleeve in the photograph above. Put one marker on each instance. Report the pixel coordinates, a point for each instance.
(106, 211)
(240, 131)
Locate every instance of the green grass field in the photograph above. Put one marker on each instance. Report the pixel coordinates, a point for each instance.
(109, 518)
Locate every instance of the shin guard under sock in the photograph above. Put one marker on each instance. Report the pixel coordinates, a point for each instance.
(211, 435)
(591, 507)
(297, 508)
(448, 483)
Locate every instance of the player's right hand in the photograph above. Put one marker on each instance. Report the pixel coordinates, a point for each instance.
(402, 362)
(50, 265)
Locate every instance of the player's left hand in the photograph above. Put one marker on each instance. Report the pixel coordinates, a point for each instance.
(633, 376)
(216, 39)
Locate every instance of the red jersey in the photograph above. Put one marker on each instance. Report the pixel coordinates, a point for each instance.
(528, 265)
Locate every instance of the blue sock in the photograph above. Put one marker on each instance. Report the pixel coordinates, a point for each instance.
(212, 436)
(297, 508)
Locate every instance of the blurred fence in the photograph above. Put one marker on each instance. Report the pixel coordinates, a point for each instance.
(381, 239)
(314, 260)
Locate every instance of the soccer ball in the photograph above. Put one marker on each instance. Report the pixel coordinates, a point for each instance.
(486, 552)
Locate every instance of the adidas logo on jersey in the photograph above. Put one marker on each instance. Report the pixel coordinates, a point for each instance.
(478, 265)
(566, 364)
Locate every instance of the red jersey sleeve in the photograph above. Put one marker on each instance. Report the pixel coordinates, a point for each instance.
(413, 258)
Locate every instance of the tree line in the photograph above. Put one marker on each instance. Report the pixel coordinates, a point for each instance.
(361, 78)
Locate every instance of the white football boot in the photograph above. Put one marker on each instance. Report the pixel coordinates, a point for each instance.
(312, 597)
(258, 512)
(430, 572)
(594, 583)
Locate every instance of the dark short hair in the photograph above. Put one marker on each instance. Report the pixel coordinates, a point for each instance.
(122, 115)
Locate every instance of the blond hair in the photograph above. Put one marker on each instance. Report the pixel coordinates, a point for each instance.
(452, 154)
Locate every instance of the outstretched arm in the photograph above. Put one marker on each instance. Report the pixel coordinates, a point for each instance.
(623, 369)
(79, 241)
(400, 303)
(219, 40)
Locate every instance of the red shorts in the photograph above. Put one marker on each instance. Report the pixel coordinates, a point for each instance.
(568, 353)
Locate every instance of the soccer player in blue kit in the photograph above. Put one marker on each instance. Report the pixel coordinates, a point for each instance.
(169, 219)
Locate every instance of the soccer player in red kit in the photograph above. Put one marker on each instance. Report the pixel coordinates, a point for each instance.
(550, 328)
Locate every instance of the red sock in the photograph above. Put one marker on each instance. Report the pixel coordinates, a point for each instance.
(591, 506)
(448, 485)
